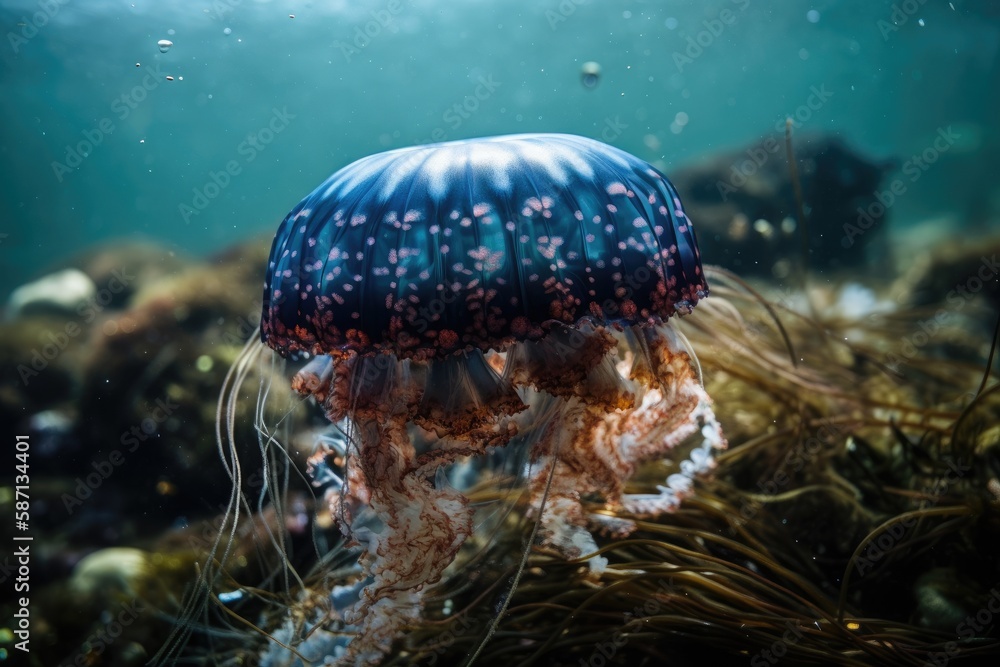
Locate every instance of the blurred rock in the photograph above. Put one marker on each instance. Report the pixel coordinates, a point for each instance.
(150, 390)
(119, 395)
(743, 204)
(59, 293)
(953, 272)
(110, 572)
(42, 360)
(120, 270)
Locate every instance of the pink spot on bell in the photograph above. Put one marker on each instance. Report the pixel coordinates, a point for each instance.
(479, 210)
(617, 189)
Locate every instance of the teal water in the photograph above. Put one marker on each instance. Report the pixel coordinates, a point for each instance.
(97, 144)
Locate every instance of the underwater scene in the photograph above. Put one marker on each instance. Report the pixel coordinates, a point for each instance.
(565, 333)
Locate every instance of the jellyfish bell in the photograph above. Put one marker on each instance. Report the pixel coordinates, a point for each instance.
(426, 251)
(473, 299)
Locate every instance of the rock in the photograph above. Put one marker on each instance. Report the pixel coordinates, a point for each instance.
(743, 206)
(114, 571)
(60, 293)
(151, 386)
(952, 272)
(122, 269)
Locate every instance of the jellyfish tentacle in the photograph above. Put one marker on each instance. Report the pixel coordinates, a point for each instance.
(468, 406)
(677, 408)
(609, 425)
(469, 293)
(575, 365)
(423, 528)
(583, 466)
(423, 522)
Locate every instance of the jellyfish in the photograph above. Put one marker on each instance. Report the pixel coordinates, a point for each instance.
(455, 297)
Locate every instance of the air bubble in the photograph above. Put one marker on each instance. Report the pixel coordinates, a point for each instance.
(590, 74)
